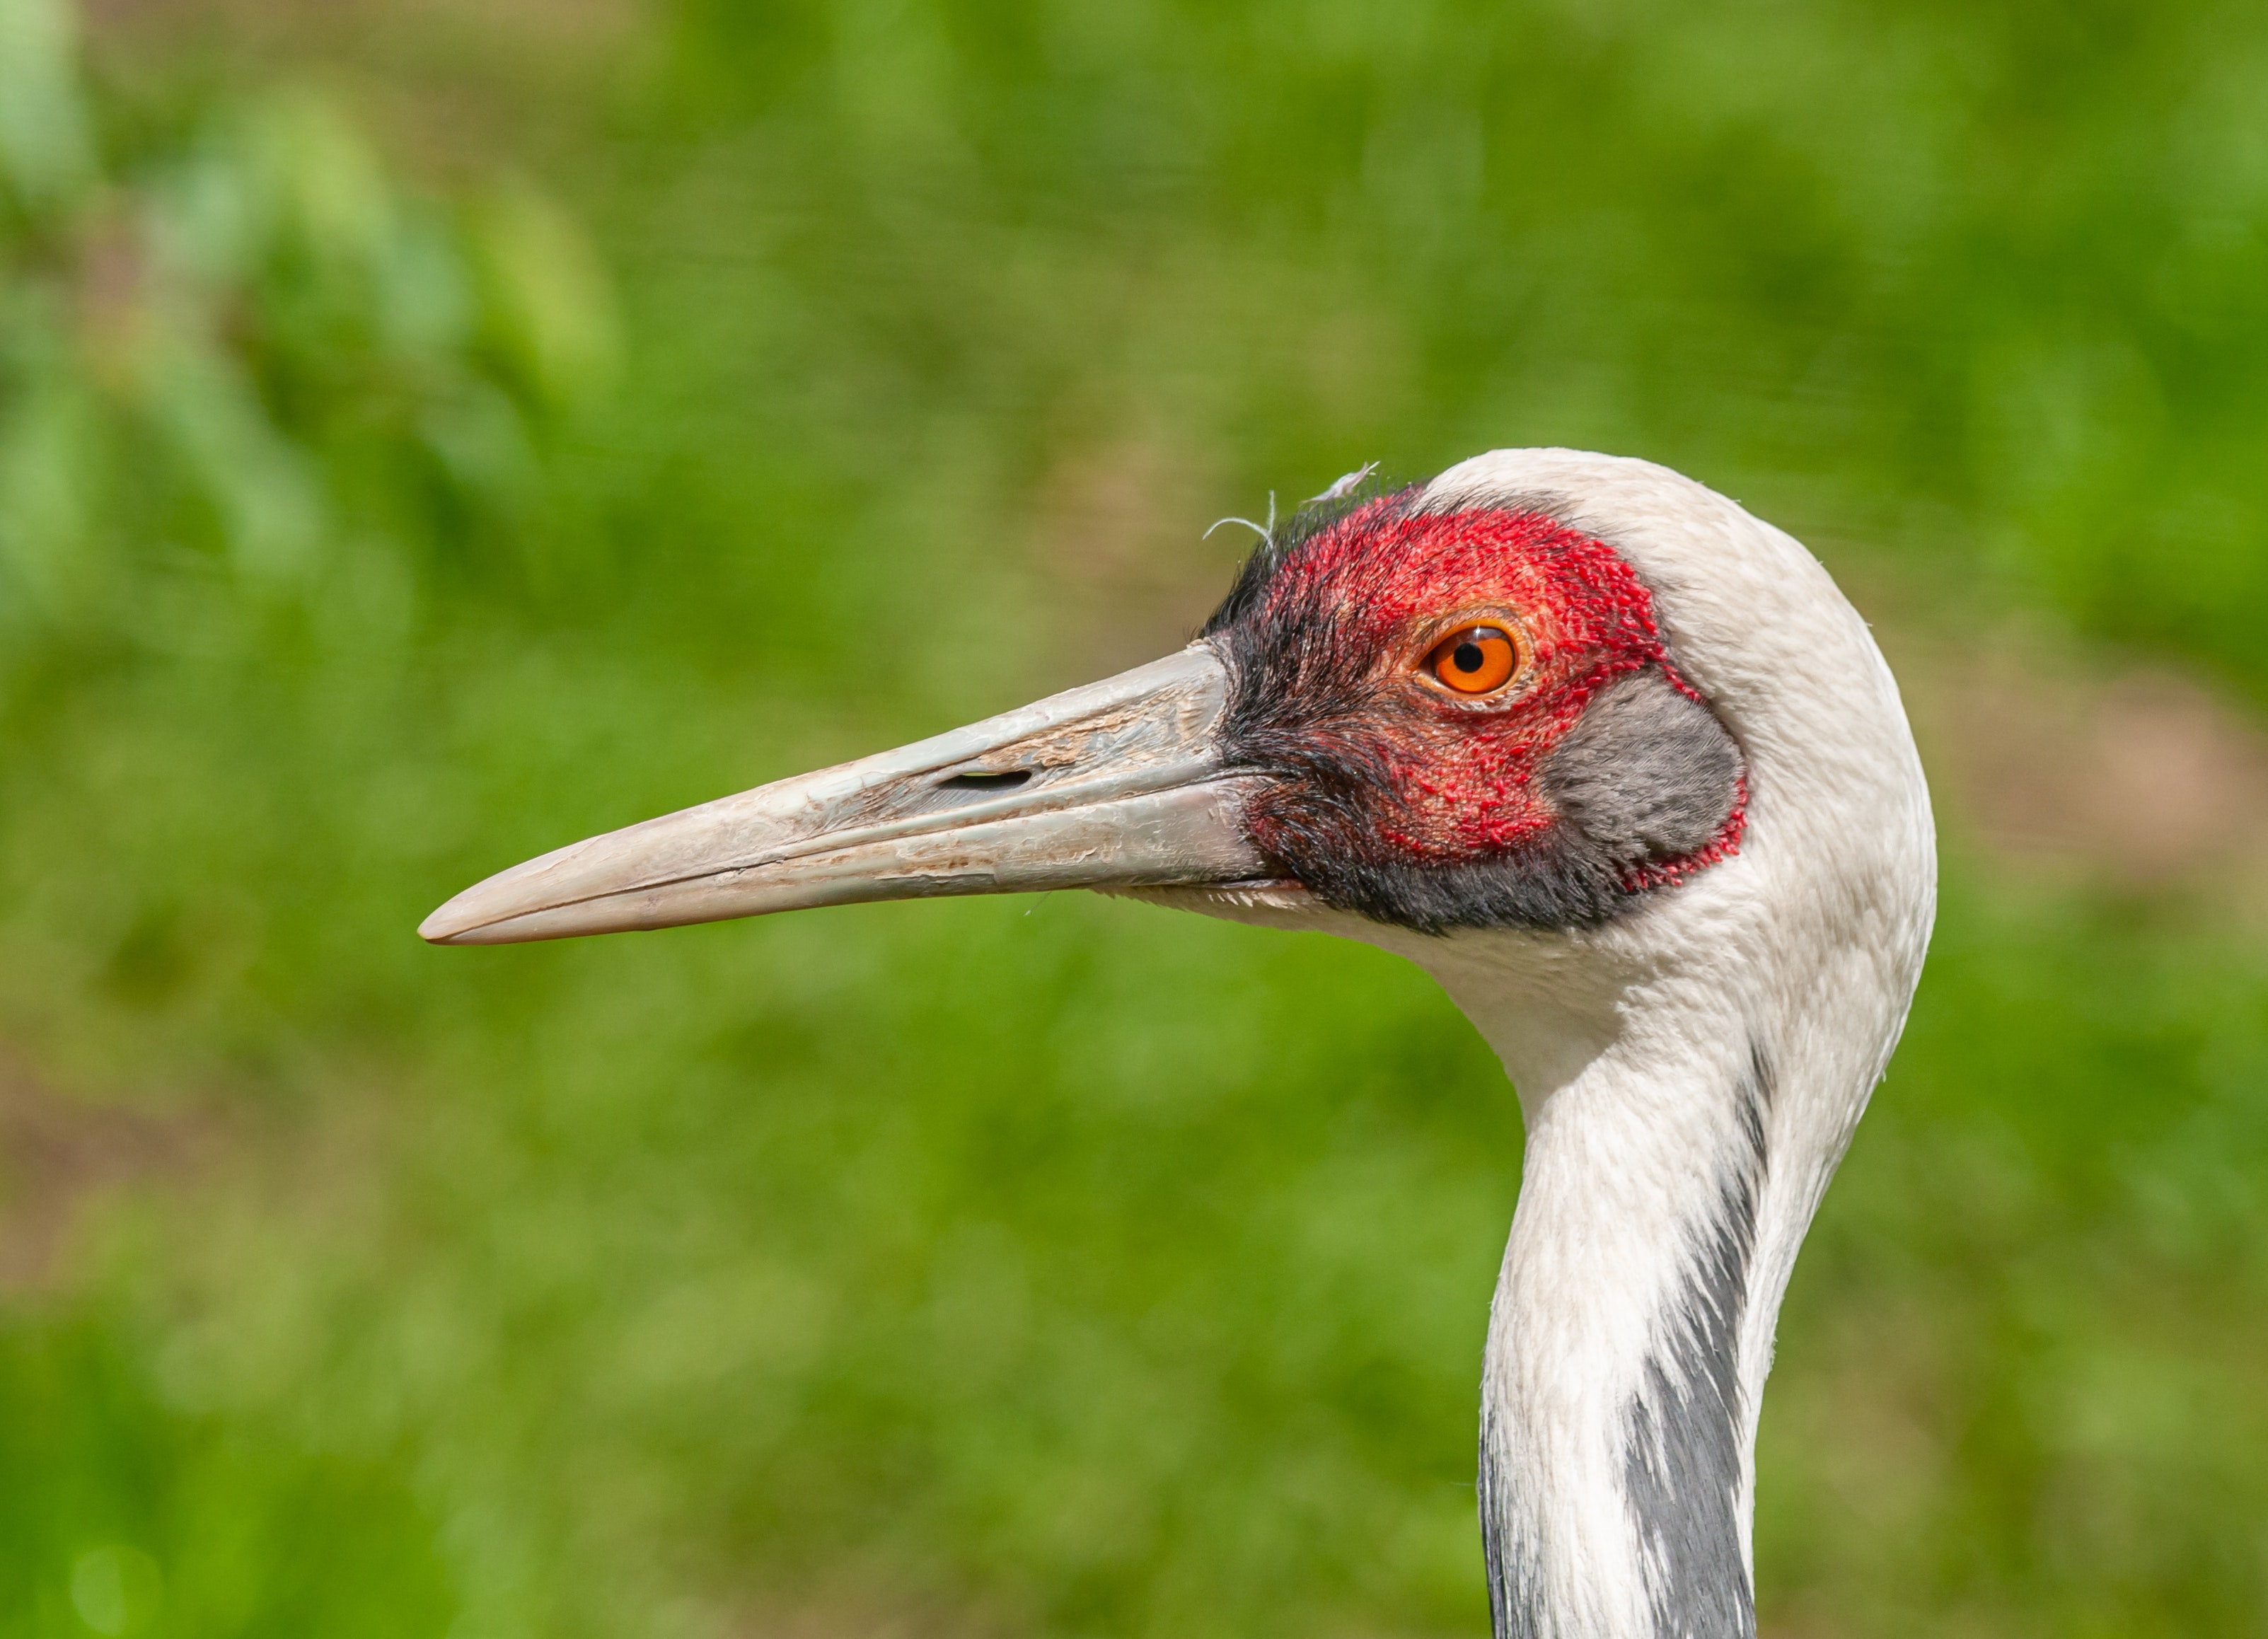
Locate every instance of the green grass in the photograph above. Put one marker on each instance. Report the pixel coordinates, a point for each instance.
(390, 492)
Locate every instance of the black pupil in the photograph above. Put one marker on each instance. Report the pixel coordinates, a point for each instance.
(1468, 657)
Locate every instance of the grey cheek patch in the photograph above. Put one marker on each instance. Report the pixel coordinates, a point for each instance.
(1646, 775)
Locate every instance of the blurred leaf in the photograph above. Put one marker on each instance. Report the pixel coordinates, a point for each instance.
(553, 312)
(46, 151)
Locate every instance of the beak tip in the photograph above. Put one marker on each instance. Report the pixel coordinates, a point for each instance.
(451, 924)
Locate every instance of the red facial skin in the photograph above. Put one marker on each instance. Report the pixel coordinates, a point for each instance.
(1392, 584)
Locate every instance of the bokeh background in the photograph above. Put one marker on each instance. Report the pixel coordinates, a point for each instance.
(431, 431)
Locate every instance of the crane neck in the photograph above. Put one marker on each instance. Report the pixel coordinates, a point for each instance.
(1682, 1121)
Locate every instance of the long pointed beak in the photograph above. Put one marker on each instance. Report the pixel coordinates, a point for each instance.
(1115, 786)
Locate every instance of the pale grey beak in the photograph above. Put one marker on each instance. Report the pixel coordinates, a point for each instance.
(1115, 786)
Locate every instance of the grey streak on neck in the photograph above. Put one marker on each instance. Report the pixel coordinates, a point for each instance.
(1681, 1462)
(1515, 1582)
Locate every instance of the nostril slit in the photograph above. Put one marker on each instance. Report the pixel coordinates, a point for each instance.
(1006, 780)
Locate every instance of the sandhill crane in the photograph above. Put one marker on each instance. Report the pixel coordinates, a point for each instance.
(1616, 764)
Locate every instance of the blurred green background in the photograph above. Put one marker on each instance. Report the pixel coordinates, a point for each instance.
(431, 432)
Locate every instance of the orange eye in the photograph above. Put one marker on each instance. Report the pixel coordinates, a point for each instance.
(1475, 660)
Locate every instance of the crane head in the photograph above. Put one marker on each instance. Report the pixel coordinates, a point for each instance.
(1429, 712)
